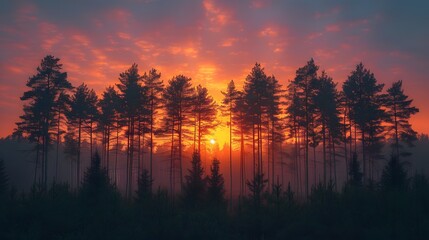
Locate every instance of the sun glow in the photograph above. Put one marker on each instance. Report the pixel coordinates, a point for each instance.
(212, 141)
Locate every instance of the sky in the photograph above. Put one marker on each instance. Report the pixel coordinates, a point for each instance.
(213, 42)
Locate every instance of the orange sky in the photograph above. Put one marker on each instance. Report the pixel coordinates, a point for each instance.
(212, 42)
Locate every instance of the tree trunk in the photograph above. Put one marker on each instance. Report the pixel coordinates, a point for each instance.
(90, 138)
(395, 115)
(242, 166)
(335, 162)
(116, 152)
(172, 160)
(131, 159)
(151, 144)
(273, 142)
(58, 144)
(230, 153)
(363, 155)
(79, 138)
(324, 150)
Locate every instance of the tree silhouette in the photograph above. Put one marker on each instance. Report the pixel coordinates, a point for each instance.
(399, 110)
(355, 174)
(204, 111)
(92, 117)
(255, 94)
(303, 92)
(96, 186)
(107, 120)
(82, 106)
(295, 113)
(155, 87)
(132, 99)
(230, 97)
(195, 187)
(363, 94)
(38, 121)
(326, 104)
(394, 176)
(144, 185)
(241, 129)
(274, 125)
(62, 108)
(71, 150)
(215, 184)
(256, 187)
(178, 97)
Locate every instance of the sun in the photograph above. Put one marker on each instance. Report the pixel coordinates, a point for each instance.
(212, 141)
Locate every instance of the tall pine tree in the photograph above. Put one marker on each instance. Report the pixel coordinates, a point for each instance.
(178, 97)
(400, 110)
(364, 97)
(155, 86)
(82, 106)
(39, 122)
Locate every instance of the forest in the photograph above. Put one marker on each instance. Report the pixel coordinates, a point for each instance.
(304, 160)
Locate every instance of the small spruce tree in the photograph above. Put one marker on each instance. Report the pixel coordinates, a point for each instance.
(96, 186)
(216, 182)
(394, 175)
(195, 185)
(144, 186)
(355, 174)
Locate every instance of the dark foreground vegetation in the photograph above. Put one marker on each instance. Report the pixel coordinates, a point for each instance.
(396, 207)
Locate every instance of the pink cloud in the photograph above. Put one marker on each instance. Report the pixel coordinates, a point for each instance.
(229, 42)
(333, 28)
(269, 32)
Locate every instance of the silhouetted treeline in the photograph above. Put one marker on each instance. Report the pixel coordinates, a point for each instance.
(324, 125)
(396, 207)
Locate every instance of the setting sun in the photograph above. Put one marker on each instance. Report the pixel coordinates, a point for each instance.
(212, 141)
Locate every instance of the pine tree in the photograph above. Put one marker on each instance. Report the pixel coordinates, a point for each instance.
(241, 129)
(71, 151)
(62, 108)
(82, 107)
(274, 125)
(256, 187)
(303, 92)
(365, 102)
(295, 113)
(215, 182)
(195, 186)
(327, 105)
(107, 120)
(255, 94)
(132, 99)
(92, 117)
(394, 176)
(96, 186)
(144, 185)
(399, 111)
(155, 87)
(228, 104)
(178, 97)
(355, 174)
(39, 122)
(204, 111)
